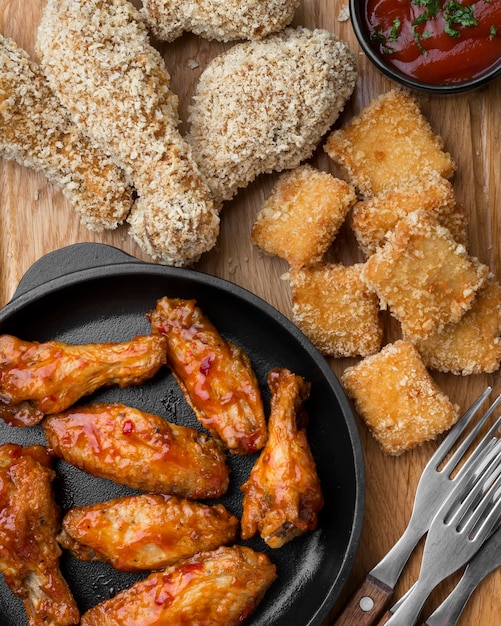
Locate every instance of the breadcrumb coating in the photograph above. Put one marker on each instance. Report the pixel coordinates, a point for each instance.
(397, 398)
(264, 105)
(389, 141)
(100, 63)
(37, 132)
(374, 218)
(222, 20)
(301, 217)
(426, 278)
(472, 345)
(333, 307)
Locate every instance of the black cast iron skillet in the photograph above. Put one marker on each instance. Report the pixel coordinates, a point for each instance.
(95, 293)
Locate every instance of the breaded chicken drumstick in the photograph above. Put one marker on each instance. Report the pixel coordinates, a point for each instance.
(264, 106)
(223, 20)
(29, 553)
(37, 132)
(100, 63)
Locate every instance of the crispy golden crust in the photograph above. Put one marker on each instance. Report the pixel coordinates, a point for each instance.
(37, 132)
(222, 586)
(99, 61)
(223, 20)
(333, 307)
(472, 345)
(425, 278)
(373, 218)
(397, 398)
(389, 141)
(301, 217)
(265, 105)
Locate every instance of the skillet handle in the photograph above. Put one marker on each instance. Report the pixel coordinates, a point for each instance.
(366, 605)
(73, 258)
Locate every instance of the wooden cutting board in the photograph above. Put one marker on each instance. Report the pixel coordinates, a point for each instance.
(35, 219)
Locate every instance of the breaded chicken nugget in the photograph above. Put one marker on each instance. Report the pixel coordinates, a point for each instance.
(301, 217)
(99, 61)
(398, 399)
(472, 345)
(334, 308)
(223, 20)
(264, 105)
(389, 141)
(37, 132)
(426, 278)
(373, 218)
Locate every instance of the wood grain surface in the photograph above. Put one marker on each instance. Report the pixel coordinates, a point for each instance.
(35, 219)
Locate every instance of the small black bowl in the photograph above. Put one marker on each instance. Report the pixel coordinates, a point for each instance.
(358, 21)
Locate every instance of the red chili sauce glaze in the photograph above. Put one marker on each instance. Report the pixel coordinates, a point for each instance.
(441, 42)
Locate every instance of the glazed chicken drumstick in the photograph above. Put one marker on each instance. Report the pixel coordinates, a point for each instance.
(283, 495)
(139, 450)
(216, 588)
(38, 379)
(29, 522)
(215, 376)
(146, 532)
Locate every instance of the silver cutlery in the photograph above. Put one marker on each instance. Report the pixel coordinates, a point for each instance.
(485, 561)
(373, 595)
(468, 516)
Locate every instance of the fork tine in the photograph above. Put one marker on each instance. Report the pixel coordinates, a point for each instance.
(461, 449)
(482, 520)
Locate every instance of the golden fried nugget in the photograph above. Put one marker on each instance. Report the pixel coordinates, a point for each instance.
(397, 398)
(37, 132)
(374, 217)
(100, 63)
(390, 140)
(426, 278)
(334, 308)
(222, 20)
(264, 106)
(472, 345)
(302, 216)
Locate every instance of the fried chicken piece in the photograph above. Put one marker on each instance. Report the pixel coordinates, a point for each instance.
(29, 522)
(424, 276)
(215, 376)
(335, 309)
(389, 141)
(37, 132)
(398, 399)
(265, 105)
(222, 20)
(100, 63)
(146, 532)
(38, 379)
(218, 588)
(283, 495)
(139, 450)
(302, 216)
(374, 218)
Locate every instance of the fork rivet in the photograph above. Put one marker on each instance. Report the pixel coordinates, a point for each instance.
(366, 603)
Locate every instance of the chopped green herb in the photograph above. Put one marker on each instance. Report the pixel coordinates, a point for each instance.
(457, 14)
(381, 38)
(394, 30)
(493, 32)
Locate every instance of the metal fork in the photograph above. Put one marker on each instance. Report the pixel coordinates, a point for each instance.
(467, 517)
(485, 561)
(373, 595)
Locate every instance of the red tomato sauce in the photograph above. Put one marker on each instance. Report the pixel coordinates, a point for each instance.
(436, 41)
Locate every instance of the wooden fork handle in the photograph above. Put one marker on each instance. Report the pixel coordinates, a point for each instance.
(366, 605)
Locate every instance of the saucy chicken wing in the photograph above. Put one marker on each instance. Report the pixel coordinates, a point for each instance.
(38, 379)
(215, 375)
(283, 495)
(146, 532)
(29, 522)
(139, 450)
(220, 587)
